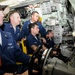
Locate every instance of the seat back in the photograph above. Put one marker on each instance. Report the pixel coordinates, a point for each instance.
(23, 42)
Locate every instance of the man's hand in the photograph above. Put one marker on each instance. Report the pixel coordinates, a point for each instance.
(34, 71)
(36, 60)
(25, 73)
(18, 43)
(54, 52)
(23, 39)
(43, 40)
(43, 47)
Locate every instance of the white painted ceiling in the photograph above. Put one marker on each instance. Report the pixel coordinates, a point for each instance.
(16, 2)
(12, 3)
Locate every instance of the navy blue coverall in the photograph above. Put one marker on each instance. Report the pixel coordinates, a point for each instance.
(9, 28)
(10, 53)
(25, 29)
(31, 40)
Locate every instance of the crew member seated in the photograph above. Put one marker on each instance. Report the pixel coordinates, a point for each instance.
(33, 41)
(25, 28)
(56, 49)
(13, 26)
(49, 38)
(10, 53)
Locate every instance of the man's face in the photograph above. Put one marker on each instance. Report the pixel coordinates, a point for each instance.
(35, 30)
(51, 34)
(15, 18)
(35, 17)
(1, 17)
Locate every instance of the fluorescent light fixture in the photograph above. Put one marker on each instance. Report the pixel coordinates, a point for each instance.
(21, 0)
(10, 2)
